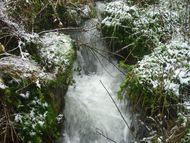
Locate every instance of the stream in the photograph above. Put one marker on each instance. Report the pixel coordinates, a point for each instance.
(90, 114)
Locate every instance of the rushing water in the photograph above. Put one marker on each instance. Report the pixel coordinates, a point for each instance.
(90, 114)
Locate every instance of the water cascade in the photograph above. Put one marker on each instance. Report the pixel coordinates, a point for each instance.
(90, 114)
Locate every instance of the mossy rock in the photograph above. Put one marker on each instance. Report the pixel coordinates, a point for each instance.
(55, 52)
(58, 55)
(35, 95)
(165, 69)
(19, 68)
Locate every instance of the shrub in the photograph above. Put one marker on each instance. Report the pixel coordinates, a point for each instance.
(136, 32)
(158, 88)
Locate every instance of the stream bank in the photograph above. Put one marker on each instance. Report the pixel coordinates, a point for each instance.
(35, 71)
(149, 38)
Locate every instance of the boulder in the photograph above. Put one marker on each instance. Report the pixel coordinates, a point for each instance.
(57, 57)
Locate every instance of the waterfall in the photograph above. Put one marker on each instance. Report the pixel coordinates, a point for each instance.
(90, 114)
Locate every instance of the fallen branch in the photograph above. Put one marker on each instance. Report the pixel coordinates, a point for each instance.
(63, 29)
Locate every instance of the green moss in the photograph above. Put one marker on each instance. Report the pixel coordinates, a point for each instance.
(32, 47)
(63, 79)
(136, 45)
(186, 135)
(144, 97)
(144, 3)
(31, 111)
(44, 20)
(93, 13)
(28, 127)
(45, 14)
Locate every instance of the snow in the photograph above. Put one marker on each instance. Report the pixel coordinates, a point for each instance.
(32, 114)
(59, 117)
(153, 22)
(86, 11)
(117, 11)
(26, 95)
(41, 123)
(187, 105)
(18, 117)
(2, 85)
(168, 64)
(56, 48)
(35, 117)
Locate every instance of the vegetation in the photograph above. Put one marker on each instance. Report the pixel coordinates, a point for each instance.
(159, 107)
(39, 15)
(25, 113)
(28, 92)
(144, 3)
(158, 84)
(136, 32)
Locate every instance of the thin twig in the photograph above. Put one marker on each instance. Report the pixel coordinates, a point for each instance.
(105, 51)
(95, 55)
(98, 132)
(98, 52)
(122, 116)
